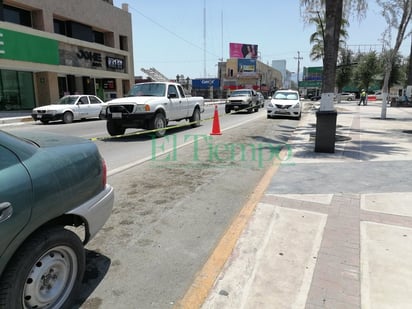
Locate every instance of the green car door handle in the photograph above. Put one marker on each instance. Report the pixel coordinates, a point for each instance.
(6, 210)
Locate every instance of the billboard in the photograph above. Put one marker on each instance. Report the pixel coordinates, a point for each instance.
(247, 68)
(246, 65)
(239, 50)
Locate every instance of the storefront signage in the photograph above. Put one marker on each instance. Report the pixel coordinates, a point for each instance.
(95, 58)
(114, 63)
(109, 84)
(205, 83)
(26, 47)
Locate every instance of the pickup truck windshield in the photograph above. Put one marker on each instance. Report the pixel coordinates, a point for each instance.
(150, 89)
(240, 93)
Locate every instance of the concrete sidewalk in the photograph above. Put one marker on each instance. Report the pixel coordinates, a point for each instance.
(332, 230)
(7, 117)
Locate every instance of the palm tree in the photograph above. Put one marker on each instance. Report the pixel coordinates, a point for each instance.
(317, 38)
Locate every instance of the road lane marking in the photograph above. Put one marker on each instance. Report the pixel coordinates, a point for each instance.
(127, 166)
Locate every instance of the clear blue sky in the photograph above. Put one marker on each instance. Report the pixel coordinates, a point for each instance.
(169, 35)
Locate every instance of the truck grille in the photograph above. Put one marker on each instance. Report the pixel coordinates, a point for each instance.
(127, 108)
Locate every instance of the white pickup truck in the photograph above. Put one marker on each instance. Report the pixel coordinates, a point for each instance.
(151, 106)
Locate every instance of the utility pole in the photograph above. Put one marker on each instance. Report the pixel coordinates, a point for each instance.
(298, 58)
(204, 38)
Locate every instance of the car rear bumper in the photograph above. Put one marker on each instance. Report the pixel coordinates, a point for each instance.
(96, 211)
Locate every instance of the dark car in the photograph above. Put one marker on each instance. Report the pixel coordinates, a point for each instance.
(315, 98)
(48, 183)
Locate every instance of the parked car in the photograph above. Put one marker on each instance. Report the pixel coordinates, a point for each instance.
(315, 98)
(379, 96)
(347, 96)
(69, 108)
(285, 103)
(242, 99)
(261, 99)
(48, 183)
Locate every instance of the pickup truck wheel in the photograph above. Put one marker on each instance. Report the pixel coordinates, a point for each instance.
(250, 108)
(45, 272)
(195, 119)
(68, 117)
(159, 122)
(227, 110)
(114, 129)
(256, 109)
(44, 121)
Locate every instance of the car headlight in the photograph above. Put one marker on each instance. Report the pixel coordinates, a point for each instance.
(297, 105)
(140, 108)
(270, 104)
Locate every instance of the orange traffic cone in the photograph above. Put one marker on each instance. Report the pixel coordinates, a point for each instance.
(216, 125)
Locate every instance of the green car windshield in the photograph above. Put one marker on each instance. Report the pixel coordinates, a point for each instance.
(150, 89)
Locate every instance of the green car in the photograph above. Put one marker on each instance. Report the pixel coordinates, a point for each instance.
(48, 183)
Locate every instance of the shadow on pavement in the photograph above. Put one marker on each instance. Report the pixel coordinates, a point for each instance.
(97, 266)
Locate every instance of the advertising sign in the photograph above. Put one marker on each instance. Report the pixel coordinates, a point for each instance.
(239, 50)
(205, 83)
(246, 68)
(26, 47)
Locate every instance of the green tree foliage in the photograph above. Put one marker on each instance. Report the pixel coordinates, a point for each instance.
(366, 70)
(316, 38)
(397, 75)
(345, 69)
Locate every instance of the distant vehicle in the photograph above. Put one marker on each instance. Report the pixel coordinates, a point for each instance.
(69, 108)
(53, 200)
(379, 96)
(261, 99)
(285, 103)
(347, 96)
(242, 99)
(315, 98)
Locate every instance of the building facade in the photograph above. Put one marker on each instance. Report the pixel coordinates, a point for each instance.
(52, 48)
(238, 73)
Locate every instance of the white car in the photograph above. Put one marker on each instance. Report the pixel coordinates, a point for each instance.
(379, 96)
(347, 96)
(285, 103)
(69, 108)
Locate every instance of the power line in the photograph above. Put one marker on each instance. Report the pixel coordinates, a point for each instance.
(171, 32)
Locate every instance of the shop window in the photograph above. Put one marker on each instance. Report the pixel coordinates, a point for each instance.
(79, 31)
(98, 37)
(16, 90)
(17, 16)
(123, 42)
(59, 27)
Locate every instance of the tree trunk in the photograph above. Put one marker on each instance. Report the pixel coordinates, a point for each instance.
(333, 19)
(385, 87)
(409, 82)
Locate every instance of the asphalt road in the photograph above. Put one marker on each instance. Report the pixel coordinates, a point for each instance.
(172, 209)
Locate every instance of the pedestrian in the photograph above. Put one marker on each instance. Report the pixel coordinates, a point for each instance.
(362, 97)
